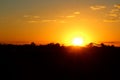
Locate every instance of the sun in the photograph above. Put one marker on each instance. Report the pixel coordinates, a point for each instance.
(78, 41)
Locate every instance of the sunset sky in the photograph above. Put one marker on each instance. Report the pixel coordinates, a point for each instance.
(46, 21)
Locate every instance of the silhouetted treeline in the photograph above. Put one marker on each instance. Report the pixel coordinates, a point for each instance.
(52, 61)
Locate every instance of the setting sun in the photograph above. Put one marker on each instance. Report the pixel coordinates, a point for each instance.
(78, 42)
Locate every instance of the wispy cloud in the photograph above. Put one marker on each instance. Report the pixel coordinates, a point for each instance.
(61, 19)
(117, 6)
(49, 20)
(114, 14)
(32, 21)
(112, 17)
(76, 13)
(41, 21)
(70, 16)
(31, 16)
(98, 7)
(26, 16)
(36, 17)
(111, 20)
(114, 10)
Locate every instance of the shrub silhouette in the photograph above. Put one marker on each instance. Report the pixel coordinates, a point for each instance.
(53, 61)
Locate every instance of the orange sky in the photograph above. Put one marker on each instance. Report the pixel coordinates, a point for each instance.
(59, 21)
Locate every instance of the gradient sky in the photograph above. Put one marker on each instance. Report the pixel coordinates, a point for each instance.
(45, 21)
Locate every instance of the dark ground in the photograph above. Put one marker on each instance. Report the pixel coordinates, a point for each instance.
(48, 62)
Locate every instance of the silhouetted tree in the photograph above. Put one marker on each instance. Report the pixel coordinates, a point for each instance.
(37, 62)
(57, 45)
(33, 44)
(112, 46)
(51, 44)
(103, 45)
(90, 45)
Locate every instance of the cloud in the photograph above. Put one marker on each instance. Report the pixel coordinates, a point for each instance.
(113, 15)
(117, 6)
(98, 7)
(31, 17)
(62, 21)
(114, 10)
(36, 17)
(111, 20)
(32, 21)
(73, 14)
(76, 13)
(70, 16)
(41, 21)
(26, 16)
(49, 20)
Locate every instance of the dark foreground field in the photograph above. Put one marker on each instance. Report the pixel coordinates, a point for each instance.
(30, 62)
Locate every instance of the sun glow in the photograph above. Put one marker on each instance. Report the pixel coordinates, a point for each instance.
(76, 38)
(77, 41)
